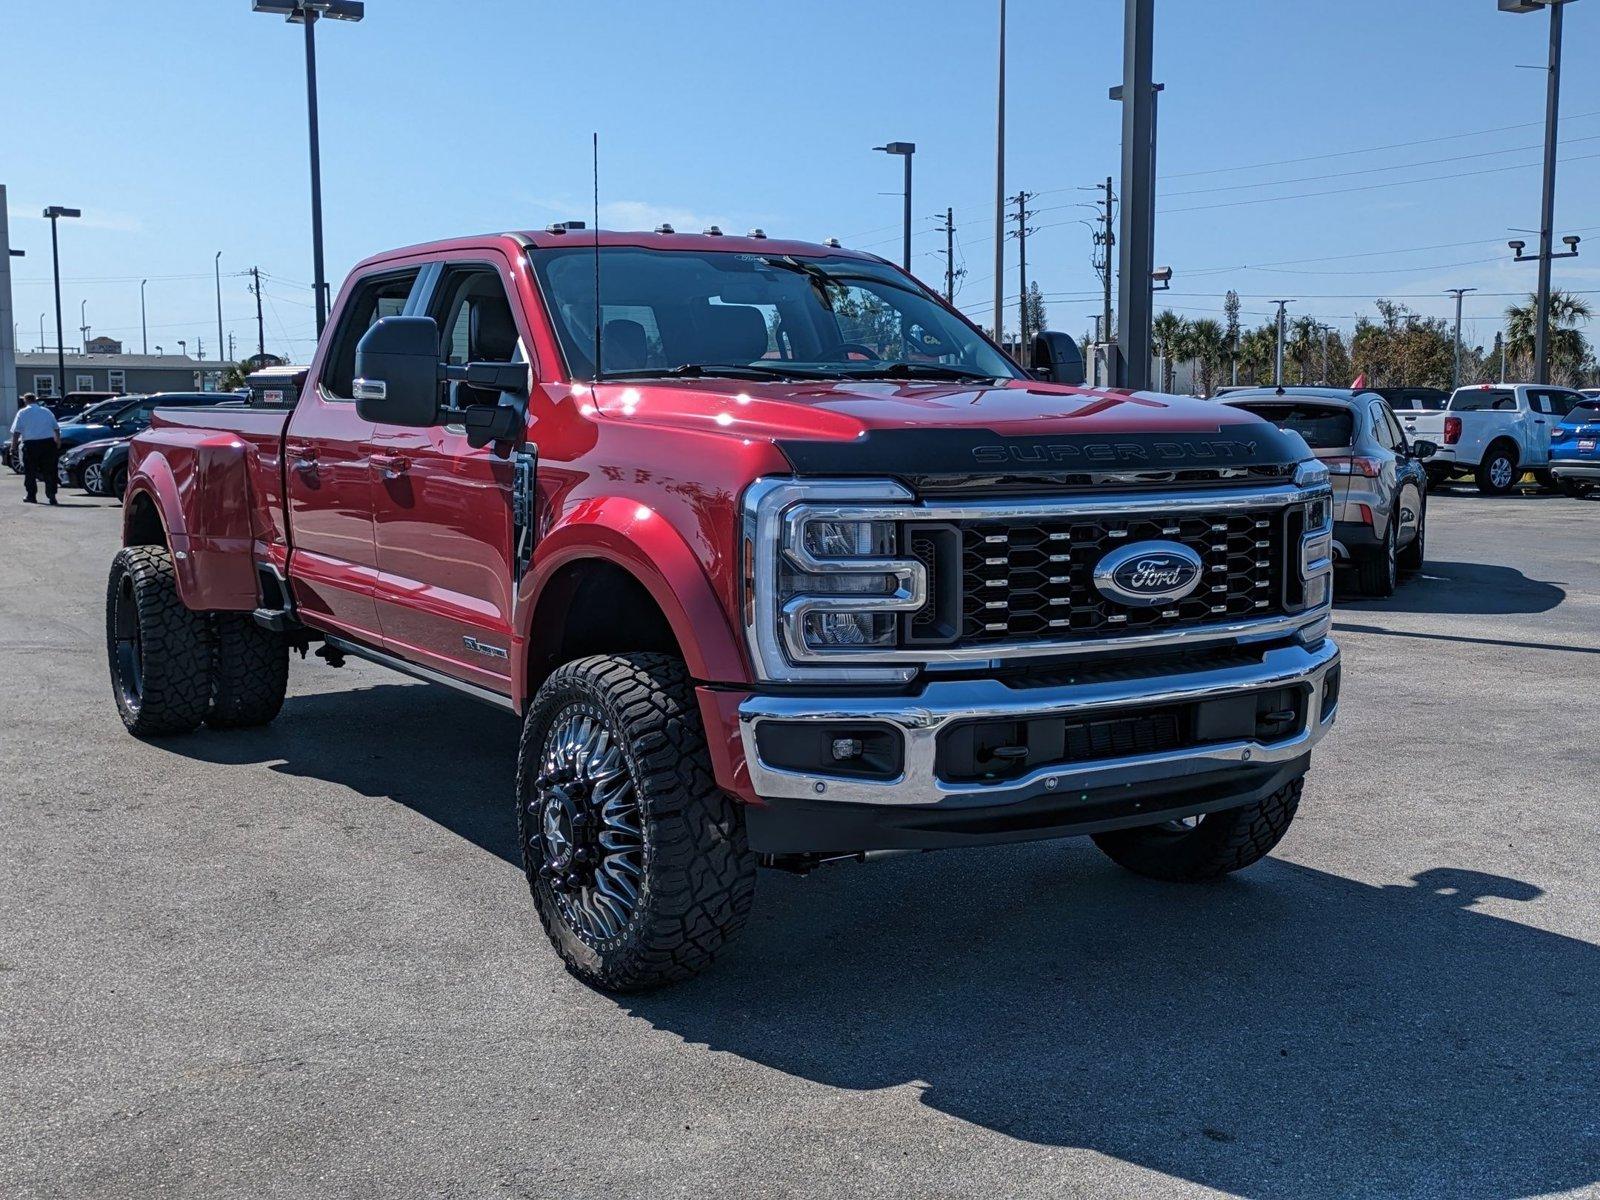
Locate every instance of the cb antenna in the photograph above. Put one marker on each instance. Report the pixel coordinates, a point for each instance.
(595, 163)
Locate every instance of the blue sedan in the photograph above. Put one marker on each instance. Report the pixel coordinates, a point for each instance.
(1575, 449)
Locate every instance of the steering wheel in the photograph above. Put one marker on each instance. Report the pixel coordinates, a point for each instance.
(847, 348)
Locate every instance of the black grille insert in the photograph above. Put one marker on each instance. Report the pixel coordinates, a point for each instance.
(1033, 580)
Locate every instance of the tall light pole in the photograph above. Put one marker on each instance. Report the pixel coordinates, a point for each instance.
(1277, 367)
(306, 12)
(144, 329)
(83, 325)
(1547, 203)
(52, 214)
(1136, 255)
(1455, 362)
(905, 150)
(1000, 191)
(216, 265)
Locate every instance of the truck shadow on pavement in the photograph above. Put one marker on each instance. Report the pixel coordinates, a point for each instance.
(1286, 1033)
(1463, 589)
(459, 776)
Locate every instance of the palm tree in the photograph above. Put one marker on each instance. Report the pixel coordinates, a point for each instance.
(1304, 344)
(1569, 349)
(1168, 328)
(1208, 346)
(1257, 350)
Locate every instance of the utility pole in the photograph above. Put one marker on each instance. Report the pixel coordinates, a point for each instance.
(1021, 234)
(230, 348)
(144, 328)
(1277, 369)
(83, 325)
(950, 272)
(1136, 260)
(261, 329)
(1106, 240)
(1000, 191)
(216, 265)
(1455, 367)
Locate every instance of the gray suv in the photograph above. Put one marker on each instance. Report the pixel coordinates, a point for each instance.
(1379, 485)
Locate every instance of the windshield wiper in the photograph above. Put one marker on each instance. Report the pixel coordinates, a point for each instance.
(712, 371)
(910, 370)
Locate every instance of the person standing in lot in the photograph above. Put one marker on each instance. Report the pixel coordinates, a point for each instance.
(36, 428)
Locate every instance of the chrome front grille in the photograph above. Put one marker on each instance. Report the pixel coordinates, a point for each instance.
(1032, 580)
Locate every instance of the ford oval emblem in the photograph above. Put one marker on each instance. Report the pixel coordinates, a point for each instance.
(1148, 573)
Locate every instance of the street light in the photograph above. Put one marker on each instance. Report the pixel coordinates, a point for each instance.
(1455, 368)
(1547, 204)
(1161, 279)
(183, 347)
(905, 150)
(52, 214)
(306, 12)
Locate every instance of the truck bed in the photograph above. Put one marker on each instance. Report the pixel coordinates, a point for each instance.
(230, 455)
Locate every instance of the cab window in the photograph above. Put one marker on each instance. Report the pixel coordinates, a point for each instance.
(374, 298)
(476, 324)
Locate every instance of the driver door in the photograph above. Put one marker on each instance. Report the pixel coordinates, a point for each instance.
(442, 509)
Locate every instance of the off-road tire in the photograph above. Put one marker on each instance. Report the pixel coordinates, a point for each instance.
(698, 877)
(1378, 570)
(250, 672)
(1491, 480)
(159, 651)
(1220, 843)
(1411, 558)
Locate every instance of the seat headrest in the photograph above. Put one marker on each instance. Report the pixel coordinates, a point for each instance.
(494, 330)
(734, 333)
(623, 345)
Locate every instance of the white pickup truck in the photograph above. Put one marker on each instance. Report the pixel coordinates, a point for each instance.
(1492, 431)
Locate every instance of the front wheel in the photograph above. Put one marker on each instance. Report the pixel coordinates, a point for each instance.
(1410, 559)
(93, 483)
(637, 861)
(1208, 846)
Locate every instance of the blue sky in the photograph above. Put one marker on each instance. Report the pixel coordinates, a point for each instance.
(180, 130)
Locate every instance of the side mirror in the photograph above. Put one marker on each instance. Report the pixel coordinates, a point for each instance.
(1056, 357)
(398, 372)
(1422, 448)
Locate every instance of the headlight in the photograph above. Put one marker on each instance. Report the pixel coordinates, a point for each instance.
(824, 578)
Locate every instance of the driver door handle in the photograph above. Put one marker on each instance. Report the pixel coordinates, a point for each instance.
(391, 466)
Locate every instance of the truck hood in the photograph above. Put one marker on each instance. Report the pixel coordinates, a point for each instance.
(896, 427)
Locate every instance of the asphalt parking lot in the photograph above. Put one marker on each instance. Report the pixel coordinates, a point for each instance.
(302, 961)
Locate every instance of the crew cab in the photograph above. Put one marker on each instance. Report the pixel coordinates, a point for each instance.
(777, 558)
(1493, 431)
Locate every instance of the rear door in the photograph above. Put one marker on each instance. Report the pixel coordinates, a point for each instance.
(327, 472)
(1549, 405)
(443, 520)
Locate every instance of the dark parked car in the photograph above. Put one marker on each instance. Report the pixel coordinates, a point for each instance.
(96, 413)
(134, 416)
(80, 466)
(74, 403)
(113, 470)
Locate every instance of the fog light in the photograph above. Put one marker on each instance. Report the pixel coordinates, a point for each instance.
(827, 629)
(845, 749)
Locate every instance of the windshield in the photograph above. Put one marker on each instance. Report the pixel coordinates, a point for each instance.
(754, 316)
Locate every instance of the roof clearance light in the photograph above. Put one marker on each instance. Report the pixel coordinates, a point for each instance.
(832, 242)
(713, 231)
(665, 228)
(757, 233)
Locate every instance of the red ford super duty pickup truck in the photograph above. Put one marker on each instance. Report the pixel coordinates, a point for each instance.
(778, 558)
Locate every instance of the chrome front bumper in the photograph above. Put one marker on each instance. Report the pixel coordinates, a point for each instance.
(921, 718)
